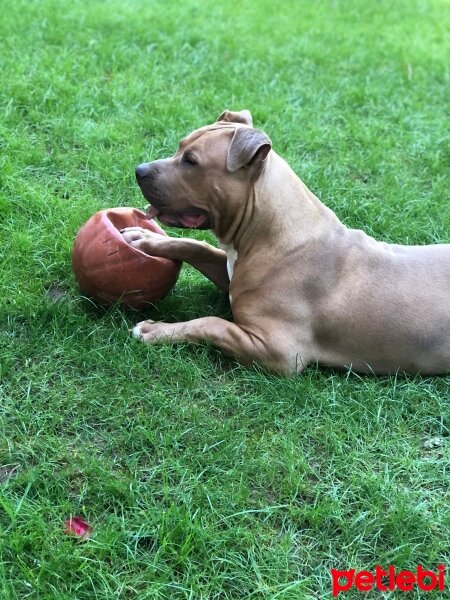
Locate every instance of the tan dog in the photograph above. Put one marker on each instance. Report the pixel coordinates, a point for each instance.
(303, 287)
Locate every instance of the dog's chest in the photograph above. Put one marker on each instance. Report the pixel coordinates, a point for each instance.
(231, 257)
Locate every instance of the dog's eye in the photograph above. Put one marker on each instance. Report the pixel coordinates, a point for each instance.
(189, 159)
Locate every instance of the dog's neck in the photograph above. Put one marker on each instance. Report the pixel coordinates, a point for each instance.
(265, 210)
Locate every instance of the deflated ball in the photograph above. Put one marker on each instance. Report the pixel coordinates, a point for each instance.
(110, 270)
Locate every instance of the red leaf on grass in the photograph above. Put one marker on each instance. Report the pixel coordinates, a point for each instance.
(77, 527)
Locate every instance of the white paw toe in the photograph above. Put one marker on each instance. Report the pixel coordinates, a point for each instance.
(137, 333)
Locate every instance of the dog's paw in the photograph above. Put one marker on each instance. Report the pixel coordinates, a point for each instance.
(153, 332)
(141, 328)
(130, 234)
(149, 242)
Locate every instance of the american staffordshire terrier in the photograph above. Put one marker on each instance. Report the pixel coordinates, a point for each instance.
(303, 287)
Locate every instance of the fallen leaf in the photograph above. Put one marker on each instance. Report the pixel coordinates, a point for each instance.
(77, 527)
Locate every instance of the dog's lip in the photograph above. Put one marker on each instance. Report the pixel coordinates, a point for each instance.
(190, 219)
(151, 212)
(185, 220)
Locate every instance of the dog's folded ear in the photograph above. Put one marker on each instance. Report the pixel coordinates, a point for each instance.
(243, 117)
(248, 147)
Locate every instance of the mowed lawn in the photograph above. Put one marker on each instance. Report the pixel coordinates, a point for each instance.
(203, 479)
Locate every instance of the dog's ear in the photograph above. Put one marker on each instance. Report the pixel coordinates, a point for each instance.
(243, 117)
(248, 147)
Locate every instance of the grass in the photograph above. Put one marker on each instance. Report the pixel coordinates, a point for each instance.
(203, 479)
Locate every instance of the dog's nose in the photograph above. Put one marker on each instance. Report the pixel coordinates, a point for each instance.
(142, 171)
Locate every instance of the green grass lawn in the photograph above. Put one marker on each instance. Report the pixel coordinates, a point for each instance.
(203, 479)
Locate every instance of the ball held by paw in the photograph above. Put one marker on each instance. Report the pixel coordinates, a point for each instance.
(111, 271)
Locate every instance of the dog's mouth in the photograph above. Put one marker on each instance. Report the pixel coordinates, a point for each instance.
(195, 218)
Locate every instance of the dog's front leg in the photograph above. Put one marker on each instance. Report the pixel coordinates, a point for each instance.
(210, 261)
(231, 339)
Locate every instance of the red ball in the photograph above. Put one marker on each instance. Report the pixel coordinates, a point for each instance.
(110, 270)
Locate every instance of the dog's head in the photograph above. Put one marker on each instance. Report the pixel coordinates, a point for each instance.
(209, 176)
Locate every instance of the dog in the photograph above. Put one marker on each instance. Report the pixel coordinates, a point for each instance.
(303, 287)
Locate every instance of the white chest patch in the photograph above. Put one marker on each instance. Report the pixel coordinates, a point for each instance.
(231, 257)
